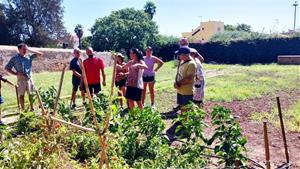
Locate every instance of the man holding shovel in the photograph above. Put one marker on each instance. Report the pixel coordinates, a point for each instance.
(22, 65)
(1, 98)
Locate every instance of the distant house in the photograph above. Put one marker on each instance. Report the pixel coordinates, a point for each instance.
(204, 32)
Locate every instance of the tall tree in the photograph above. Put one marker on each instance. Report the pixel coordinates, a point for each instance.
(244, 27)
(79, 32)
(229, 28)
(36, 22)
(4, 32)
(150, 9)
(124, 29)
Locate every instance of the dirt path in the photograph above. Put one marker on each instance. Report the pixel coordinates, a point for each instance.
(254, 130)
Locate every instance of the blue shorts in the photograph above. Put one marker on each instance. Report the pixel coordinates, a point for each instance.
(183, 100)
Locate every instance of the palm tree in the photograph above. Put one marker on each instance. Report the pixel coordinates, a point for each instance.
(79, 32)
(150, 9)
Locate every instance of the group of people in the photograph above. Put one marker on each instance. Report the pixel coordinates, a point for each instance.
(132, 78)
(189, 81)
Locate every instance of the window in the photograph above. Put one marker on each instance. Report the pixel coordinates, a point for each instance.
(202, 28)
(219, 29)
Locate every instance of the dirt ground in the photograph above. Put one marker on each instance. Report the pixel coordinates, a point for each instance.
(254, 130)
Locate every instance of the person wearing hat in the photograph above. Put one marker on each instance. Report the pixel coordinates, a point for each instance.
(76, 78)
(22, 65)
(184, 83)
(199, 84)
(120, 78)
(93, 66)
(185, 76)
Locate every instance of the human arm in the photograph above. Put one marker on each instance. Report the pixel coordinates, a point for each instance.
(101, 64)
(37, 53)
(10, 65)
(6, 80)
(159, 63)
(201, 58)
(76, 73)
(142, 65)
(103, 77)
(191, 71)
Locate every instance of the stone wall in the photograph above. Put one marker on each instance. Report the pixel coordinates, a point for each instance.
(53, 59)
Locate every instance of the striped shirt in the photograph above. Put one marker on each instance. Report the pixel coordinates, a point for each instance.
(22, 64)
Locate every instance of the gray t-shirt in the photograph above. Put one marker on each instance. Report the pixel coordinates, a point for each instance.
(22, 64)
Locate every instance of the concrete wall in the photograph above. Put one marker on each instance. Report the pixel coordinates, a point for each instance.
(288, 59)
(53, 59)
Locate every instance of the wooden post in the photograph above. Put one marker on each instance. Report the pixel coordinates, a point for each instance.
(44, 112)
(18, 100)
(57, 96)
(72, 124)
(107, 118)
(267, 151)
(283, 131)
(59, 90)
(85, 82)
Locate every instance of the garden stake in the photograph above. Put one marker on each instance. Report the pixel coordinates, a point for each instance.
(92, 108)
(44, 112)
(267, 151)
(107, 118)
(72, 124)
(59, 89)
(18, 100)
(283, 131)
(58, 95)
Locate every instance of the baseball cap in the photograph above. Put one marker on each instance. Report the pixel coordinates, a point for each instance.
(183, 50)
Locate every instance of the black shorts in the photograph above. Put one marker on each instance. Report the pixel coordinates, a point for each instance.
(121, 83)
(133, 93)
(94, 88)
(148, 79)
(183, 100)
(77, 83)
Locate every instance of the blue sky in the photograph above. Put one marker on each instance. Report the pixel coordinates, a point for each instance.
(176, 16)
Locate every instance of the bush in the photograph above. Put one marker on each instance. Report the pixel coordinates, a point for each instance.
(244, 52)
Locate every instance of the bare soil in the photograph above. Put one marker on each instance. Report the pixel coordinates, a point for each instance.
(254, 130)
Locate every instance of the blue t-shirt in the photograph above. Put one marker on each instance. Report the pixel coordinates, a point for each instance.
(22, 64)
(74, 65)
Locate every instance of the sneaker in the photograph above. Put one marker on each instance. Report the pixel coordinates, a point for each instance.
(84, 103)
(153, 107)
(176, 108)
(73, 107)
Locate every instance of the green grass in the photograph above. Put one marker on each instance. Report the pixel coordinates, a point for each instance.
(291, 117)
(237, 83)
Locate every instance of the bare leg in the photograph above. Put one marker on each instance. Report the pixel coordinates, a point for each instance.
(120, 96)
(73, 98)
(144, 93)
(130, 104)
(21, 98)
(30, 96)
(151, 89)
(140, 105)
